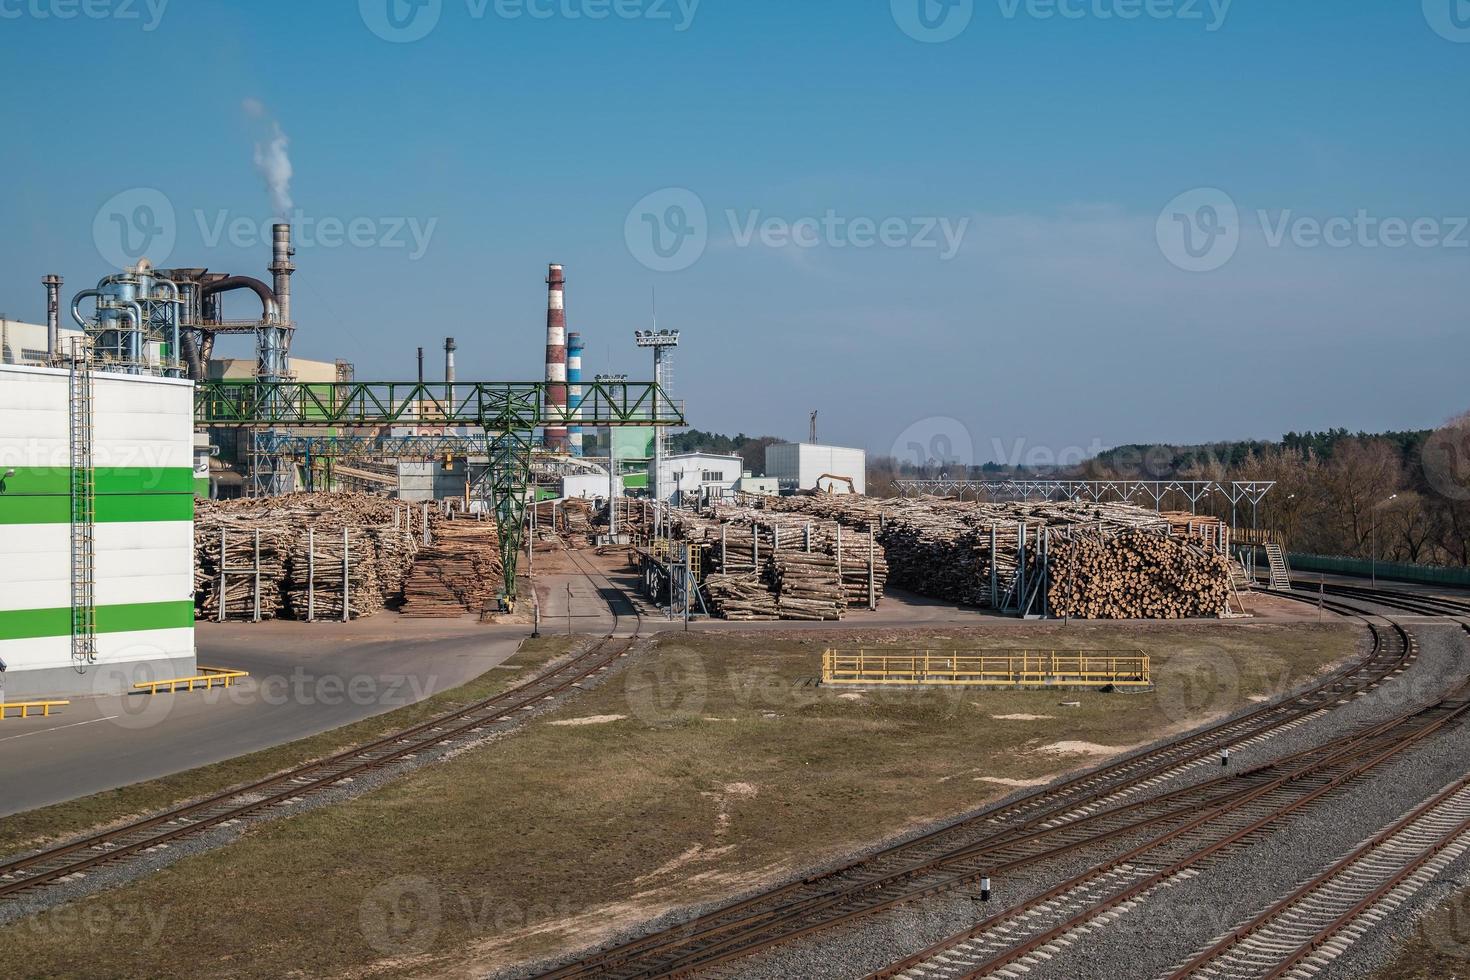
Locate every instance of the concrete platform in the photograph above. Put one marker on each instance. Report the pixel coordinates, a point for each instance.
(305, 679)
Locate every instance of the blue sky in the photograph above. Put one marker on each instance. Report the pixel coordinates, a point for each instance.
(1060, 320)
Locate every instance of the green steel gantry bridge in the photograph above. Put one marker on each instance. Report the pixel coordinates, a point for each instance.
(508, 412)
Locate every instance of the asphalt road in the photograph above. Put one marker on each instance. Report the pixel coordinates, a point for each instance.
(305, 679)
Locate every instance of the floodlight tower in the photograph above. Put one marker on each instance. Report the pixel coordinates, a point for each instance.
(660, 341)
(612, 460)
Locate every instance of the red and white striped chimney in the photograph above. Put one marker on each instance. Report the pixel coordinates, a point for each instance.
(556, 353)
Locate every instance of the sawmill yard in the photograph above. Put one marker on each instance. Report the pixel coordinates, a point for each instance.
(702, 765)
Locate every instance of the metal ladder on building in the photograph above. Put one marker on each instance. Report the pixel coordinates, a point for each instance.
(83, 486)
(1280, 570)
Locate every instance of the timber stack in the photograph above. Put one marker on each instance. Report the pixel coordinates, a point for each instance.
(1102, 560)
(460, 571)
(226, 553)
(302, 565)
(1134, 575)
(777, 566)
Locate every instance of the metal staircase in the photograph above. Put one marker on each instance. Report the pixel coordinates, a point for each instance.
(83, 485)
(1280, 570)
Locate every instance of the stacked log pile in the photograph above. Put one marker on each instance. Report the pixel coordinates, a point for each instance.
(742, 596)
(946, 554)
(1135, 575)
(576, 518)
(240, 536)
(459, 572)
(628, 518)
(779, 566)
(301, 548)
(1105, 560)
(314, 576)
(806, 585)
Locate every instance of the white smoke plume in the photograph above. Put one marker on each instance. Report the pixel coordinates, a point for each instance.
(272, 161)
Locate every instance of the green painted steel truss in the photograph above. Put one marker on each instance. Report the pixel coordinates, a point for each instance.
(508, 412)
(496, 406)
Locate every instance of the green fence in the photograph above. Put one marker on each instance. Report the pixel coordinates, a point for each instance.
(1394, 571)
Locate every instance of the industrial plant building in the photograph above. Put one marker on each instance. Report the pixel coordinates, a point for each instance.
(25, 343)
(101, 589)
(697, 477)
(807, 466)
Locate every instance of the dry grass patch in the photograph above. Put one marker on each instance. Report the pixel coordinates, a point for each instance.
(727, 769)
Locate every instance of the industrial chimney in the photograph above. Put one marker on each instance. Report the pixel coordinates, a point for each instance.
(449, 373)
(53, 316)
(556, 354)
(574, 391)
(281, 268)
(421, 366)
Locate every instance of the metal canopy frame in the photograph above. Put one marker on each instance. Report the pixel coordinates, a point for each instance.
(300, 446)
(508, 412)
(1095, 491)
(492, 405)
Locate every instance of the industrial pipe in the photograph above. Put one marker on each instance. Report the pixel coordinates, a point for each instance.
(76, 305)
(53, 316)
(270, 309)
(282, 269)
(136, 311)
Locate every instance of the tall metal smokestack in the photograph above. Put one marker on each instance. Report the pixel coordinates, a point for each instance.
(421, 366)
(449, 372)
(574, 391)
(281, 268)
(53, 316)
(556, 353)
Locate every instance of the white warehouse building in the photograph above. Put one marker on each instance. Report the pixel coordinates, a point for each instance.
(690, 477)
(25, 343)
(141, 622)
(807, 466)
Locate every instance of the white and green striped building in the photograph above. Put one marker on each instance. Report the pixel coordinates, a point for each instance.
(143, 564)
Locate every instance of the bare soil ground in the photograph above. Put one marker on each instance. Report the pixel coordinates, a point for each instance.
(1439, 946)
(711, 764)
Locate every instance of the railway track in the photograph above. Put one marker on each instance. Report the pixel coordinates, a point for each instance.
(1415, 602)
(1308, 929)
(1027, 934)
(1294, 936)
(950, 856)
(26, 874)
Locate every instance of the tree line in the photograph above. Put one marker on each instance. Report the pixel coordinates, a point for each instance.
(1397, 496)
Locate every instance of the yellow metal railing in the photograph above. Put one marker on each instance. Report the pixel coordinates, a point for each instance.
(27, 708)
(1019, 668)
(206, 678)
